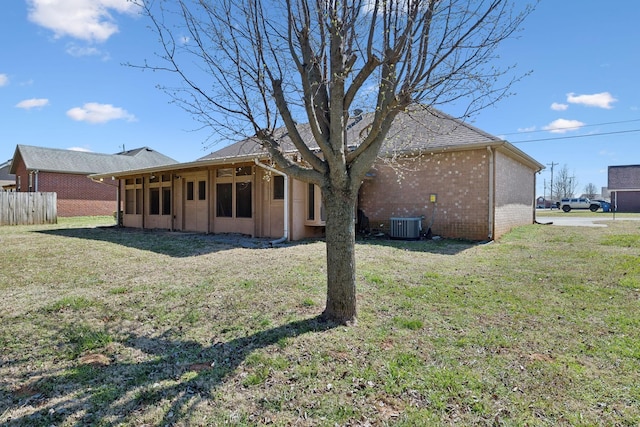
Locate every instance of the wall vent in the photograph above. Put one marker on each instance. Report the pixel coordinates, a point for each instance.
(406, 228)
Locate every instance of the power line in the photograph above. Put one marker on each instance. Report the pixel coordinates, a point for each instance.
(552, 164)
(569, 127)
(576, 136)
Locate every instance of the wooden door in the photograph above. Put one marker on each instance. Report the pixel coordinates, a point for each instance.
(196, 204)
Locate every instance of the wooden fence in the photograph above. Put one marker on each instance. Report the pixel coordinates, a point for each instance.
(17, 208)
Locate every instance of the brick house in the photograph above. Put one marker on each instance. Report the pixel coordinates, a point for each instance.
(7, 180)
(433, 172)
(65, 173)
(624, 187)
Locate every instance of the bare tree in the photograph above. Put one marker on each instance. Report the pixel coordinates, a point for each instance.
(590, 190)
(565, 183)
(264, 65)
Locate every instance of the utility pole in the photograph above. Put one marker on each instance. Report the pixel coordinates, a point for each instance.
(551, 189)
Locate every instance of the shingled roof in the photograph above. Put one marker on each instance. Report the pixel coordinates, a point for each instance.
(419, 129)
(82, 162)
(5, 177)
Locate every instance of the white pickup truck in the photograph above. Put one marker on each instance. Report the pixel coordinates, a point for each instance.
(579, 203)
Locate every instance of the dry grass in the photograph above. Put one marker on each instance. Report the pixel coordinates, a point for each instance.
(101, 326)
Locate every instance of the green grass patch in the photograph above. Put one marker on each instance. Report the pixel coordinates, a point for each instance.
(411, 324)
(81, 338)
(539, 328)
(622, 240)
(70, 303)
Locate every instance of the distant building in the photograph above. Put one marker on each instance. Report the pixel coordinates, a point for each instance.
(542, 202)
(65, 172)
(624, 187)
(7, 180)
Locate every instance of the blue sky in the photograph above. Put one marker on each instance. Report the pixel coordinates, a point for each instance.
(63, 85)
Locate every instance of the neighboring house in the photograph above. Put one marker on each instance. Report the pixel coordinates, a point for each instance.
(7, 180)
(65, 173)
(543, 203)
(447, 175)
(624, 188)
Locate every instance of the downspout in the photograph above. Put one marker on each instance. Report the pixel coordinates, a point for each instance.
(173, 190)
(119, 212)
(286, 201)
(492, 179)
(35, 186)
(143, 202)
(535, 186)
(210, 183)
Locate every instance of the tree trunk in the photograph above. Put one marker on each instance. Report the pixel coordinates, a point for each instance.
(341, 260)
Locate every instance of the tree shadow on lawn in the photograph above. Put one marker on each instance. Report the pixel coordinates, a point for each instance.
(175, 377)
(172, 243)
(186, 244)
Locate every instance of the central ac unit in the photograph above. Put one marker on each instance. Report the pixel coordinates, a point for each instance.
(406, 228)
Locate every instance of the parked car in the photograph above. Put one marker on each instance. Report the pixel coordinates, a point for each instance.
(579, 203)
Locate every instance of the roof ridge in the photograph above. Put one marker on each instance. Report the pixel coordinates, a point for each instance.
(62, 149)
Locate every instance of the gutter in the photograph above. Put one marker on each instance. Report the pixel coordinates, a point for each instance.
(285, 236)
(172, 167)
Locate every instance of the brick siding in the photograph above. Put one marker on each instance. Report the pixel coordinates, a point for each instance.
(79, 207)
(624, 177)
(77, 194)
(460, 181)
(513, 194)
(402, 189)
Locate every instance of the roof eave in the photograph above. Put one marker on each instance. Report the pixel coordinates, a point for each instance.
(524, 157)
(180, 166)
(498, 144)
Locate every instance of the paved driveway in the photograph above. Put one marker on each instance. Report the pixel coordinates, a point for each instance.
(578, 221)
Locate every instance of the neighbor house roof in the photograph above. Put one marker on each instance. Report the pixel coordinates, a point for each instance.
(419, 129)
(82, 162)
(5, 177)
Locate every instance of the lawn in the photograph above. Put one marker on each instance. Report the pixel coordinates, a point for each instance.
(101, 326)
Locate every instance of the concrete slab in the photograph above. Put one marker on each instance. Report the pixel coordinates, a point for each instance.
(572, 221)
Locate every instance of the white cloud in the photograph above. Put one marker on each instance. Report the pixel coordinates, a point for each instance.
(527, 129)
(600, 100)
(563, 126)
(4, 80)
(75, 50)
(89, 20)
(92, 112)
(28, 104)
(556, 106)
(85, 150)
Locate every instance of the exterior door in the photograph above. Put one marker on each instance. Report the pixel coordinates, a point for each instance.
(196, 208)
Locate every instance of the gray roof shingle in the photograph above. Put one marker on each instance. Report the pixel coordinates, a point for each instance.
(82, 162)
(418, 129)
